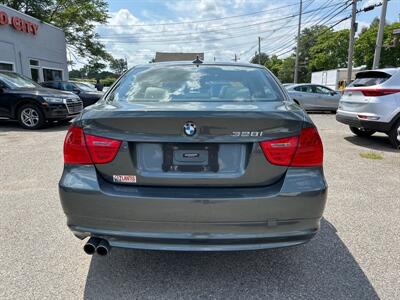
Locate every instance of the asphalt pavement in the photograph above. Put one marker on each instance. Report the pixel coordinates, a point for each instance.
(356, 255)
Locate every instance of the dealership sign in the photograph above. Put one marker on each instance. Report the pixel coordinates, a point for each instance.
(18, 23)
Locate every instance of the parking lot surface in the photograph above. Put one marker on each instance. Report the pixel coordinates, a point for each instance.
(356, 254)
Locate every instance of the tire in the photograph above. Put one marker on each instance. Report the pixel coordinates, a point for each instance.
(394, 135)
(30, 116)
(362, 132)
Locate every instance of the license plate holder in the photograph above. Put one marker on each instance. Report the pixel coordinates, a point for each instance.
(184, 157)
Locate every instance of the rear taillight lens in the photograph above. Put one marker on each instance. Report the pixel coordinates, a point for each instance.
(374, 92)
(305, 150)
(81, 148)
(280, 152)
(102, 150)
(75, 151)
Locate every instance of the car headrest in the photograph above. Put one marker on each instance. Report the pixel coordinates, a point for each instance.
(155, 93)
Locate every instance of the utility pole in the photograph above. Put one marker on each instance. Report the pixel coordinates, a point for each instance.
(296, 64)
(259, 50)
(351, 41)
(235, 57)
(379, 37)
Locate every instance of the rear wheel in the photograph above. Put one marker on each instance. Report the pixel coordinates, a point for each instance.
(394, 135)
(362, 132)
(30, 117)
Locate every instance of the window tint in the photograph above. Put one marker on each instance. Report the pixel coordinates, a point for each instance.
(370, 78)
(50, 74)
(68, 86)
(6, 66)
(196, 83)
(304, 89)
(322, 90)
(14, 80)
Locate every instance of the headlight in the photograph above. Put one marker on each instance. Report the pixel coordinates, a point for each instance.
(54, 99)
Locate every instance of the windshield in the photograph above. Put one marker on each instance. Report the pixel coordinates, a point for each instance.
(15, 81)
(85, 87)
(196, 84)
(370, 78)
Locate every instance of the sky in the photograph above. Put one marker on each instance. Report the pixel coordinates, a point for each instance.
(220, 28)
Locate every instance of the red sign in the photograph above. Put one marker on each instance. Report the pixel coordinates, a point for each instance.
(18, 23)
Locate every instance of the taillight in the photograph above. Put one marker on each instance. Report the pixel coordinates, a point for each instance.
(305, 150)
(280, 152)
(374, 92)
(81, 148)
(75, 151)
(102, 150)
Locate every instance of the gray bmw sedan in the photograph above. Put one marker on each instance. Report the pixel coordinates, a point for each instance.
(193, 157)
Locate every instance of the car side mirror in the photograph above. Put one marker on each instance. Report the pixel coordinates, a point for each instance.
(333, 93)
(76, 91)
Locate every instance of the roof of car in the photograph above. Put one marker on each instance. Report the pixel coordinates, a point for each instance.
(390, 71)
(179, 63)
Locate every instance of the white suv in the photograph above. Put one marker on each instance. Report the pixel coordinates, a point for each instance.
(371, 103)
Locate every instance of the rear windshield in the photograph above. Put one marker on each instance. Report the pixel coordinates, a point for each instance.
(370, 78)
(196, 83)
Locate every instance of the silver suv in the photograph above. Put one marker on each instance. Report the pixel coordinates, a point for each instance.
(371, 103)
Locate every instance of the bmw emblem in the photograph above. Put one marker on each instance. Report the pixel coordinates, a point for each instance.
(189, 128)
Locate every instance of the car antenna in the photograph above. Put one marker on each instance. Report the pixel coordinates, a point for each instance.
(197, 61)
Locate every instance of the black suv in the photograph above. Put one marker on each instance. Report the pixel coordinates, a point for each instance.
(31, 104)
(88, 94)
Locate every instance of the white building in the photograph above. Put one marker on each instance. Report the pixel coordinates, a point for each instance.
(31, 47)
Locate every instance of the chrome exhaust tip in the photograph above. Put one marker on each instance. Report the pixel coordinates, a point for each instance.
(91, 245)
(103, 248)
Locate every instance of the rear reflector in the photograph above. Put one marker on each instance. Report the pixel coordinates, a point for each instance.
(81, 148)
(374, 92)
(303, 151)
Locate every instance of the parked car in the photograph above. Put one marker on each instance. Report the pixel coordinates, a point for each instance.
(33, 105)
(88, 94)
(371, 103)
(193, 156)
(314, 97)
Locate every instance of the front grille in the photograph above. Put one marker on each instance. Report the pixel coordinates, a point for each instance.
(74, 106)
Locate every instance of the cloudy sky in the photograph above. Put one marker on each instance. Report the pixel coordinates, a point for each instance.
(220, 28)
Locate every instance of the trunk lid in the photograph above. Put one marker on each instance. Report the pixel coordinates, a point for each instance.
(224, 151)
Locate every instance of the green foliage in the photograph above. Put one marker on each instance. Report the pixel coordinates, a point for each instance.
(329, 51)
(365, 47)
(263, 58)
(76, 18)
(286, 71)
(119, 66)
(105, 81)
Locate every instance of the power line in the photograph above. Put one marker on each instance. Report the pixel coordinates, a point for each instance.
(198, 21)
(152, 41)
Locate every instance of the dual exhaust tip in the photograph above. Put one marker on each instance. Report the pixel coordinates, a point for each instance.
(97, 245)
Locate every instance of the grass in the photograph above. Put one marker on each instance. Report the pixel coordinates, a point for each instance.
(371, 155)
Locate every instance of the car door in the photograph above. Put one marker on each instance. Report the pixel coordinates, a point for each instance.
(327, 98)
(307, 98)
(6, 101)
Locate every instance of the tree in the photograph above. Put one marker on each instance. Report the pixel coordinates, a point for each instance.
(286, 70)
(308, 39)
(365, 46)
(264, 58)
(329, 51)
(77, 18)
(274, 64)
(118, 65)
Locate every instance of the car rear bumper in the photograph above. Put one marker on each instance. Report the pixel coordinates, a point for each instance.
(286, 213)
(351, 119)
